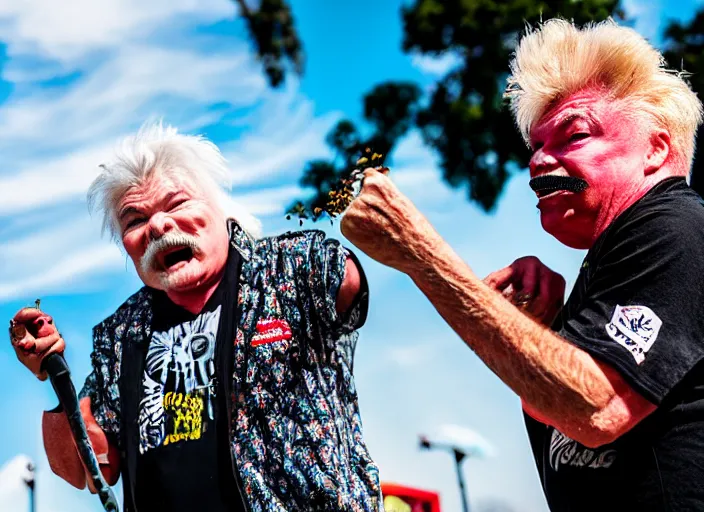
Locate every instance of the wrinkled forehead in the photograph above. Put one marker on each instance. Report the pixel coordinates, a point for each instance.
(587, 106)
(159, 185)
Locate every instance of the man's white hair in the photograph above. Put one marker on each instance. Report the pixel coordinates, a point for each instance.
(557, 60)
(160, 148)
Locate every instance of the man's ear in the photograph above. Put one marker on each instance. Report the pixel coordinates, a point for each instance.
(658, 151)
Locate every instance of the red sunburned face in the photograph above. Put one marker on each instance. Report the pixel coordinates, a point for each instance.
(592, 138)
(192, 234)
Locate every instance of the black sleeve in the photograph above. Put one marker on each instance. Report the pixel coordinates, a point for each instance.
(642, 307)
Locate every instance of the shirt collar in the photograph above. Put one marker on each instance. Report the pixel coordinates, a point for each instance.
(240, 240)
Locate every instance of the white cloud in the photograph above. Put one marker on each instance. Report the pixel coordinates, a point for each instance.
(48, 182)
(14, 476)
(68, 255)
(465, 438)
(132, 84)
(287, 135)
(68, 30)
(412, 150)
(436, 66)
(131, 62)
(415, 171)
(83, 262)
(408, 357)
(51, 493)
(270, 201)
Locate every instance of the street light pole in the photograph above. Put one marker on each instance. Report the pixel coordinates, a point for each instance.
(32, 503)
(29, 481)
(459, 457)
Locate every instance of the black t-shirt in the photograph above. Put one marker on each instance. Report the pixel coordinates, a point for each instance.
(184, 462)
(638, 305)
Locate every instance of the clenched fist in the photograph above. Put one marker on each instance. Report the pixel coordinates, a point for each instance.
(532, 286)
(34, 336)
(385, 224)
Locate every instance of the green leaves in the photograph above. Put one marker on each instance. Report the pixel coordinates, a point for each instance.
(340, 192)
(271, 29)
(684, 50)
(390, 109)
(463, 118)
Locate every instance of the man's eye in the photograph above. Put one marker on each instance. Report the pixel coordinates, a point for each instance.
(578, 136)
(134, 222)
(177, 203)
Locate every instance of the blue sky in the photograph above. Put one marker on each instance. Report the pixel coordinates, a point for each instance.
(75, 77)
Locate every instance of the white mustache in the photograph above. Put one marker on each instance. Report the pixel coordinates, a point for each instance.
(171, 239)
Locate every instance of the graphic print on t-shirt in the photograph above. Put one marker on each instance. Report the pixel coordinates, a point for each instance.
(568, 452)
(179, 385)
(635, 328)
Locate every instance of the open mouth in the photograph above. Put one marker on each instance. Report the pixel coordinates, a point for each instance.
(548, 185)
(171, 259)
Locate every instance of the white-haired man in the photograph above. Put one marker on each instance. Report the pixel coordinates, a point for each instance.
(614, 393)
(225, 383)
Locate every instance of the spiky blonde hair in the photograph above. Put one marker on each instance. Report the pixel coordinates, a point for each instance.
(558, 59)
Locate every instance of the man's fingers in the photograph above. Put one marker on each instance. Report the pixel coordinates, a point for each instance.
(30, 323)
(552, 311)
(57, 348)
(32, 358)
(41, 345)
(55, 343)
(557, 294)
(508, 292)
(558, 287)
(377, 183)
(27, 315)
(500, 279)
(527, 288)
(34, 336)
(371, 171)
(368, 177)
(541, 302)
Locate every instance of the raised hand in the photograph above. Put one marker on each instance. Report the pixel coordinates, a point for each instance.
(34, 336)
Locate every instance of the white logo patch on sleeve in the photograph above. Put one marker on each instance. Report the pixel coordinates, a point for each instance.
(635, 328)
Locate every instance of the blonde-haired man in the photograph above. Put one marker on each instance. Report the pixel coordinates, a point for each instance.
(613, 394)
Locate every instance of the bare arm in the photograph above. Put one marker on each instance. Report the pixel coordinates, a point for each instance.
(561, 384)
(349, 288)
(34, 336)
(62, 453)
(558, 382)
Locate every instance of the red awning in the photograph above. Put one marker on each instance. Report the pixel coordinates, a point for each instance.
(412, 498)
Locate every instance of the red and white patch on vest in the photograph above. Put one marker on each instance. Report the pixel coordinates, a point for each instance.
(271, 330)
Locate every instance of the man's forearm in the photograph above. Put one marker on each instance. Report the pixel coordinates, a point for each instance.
(62, 453)
(559, 381)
